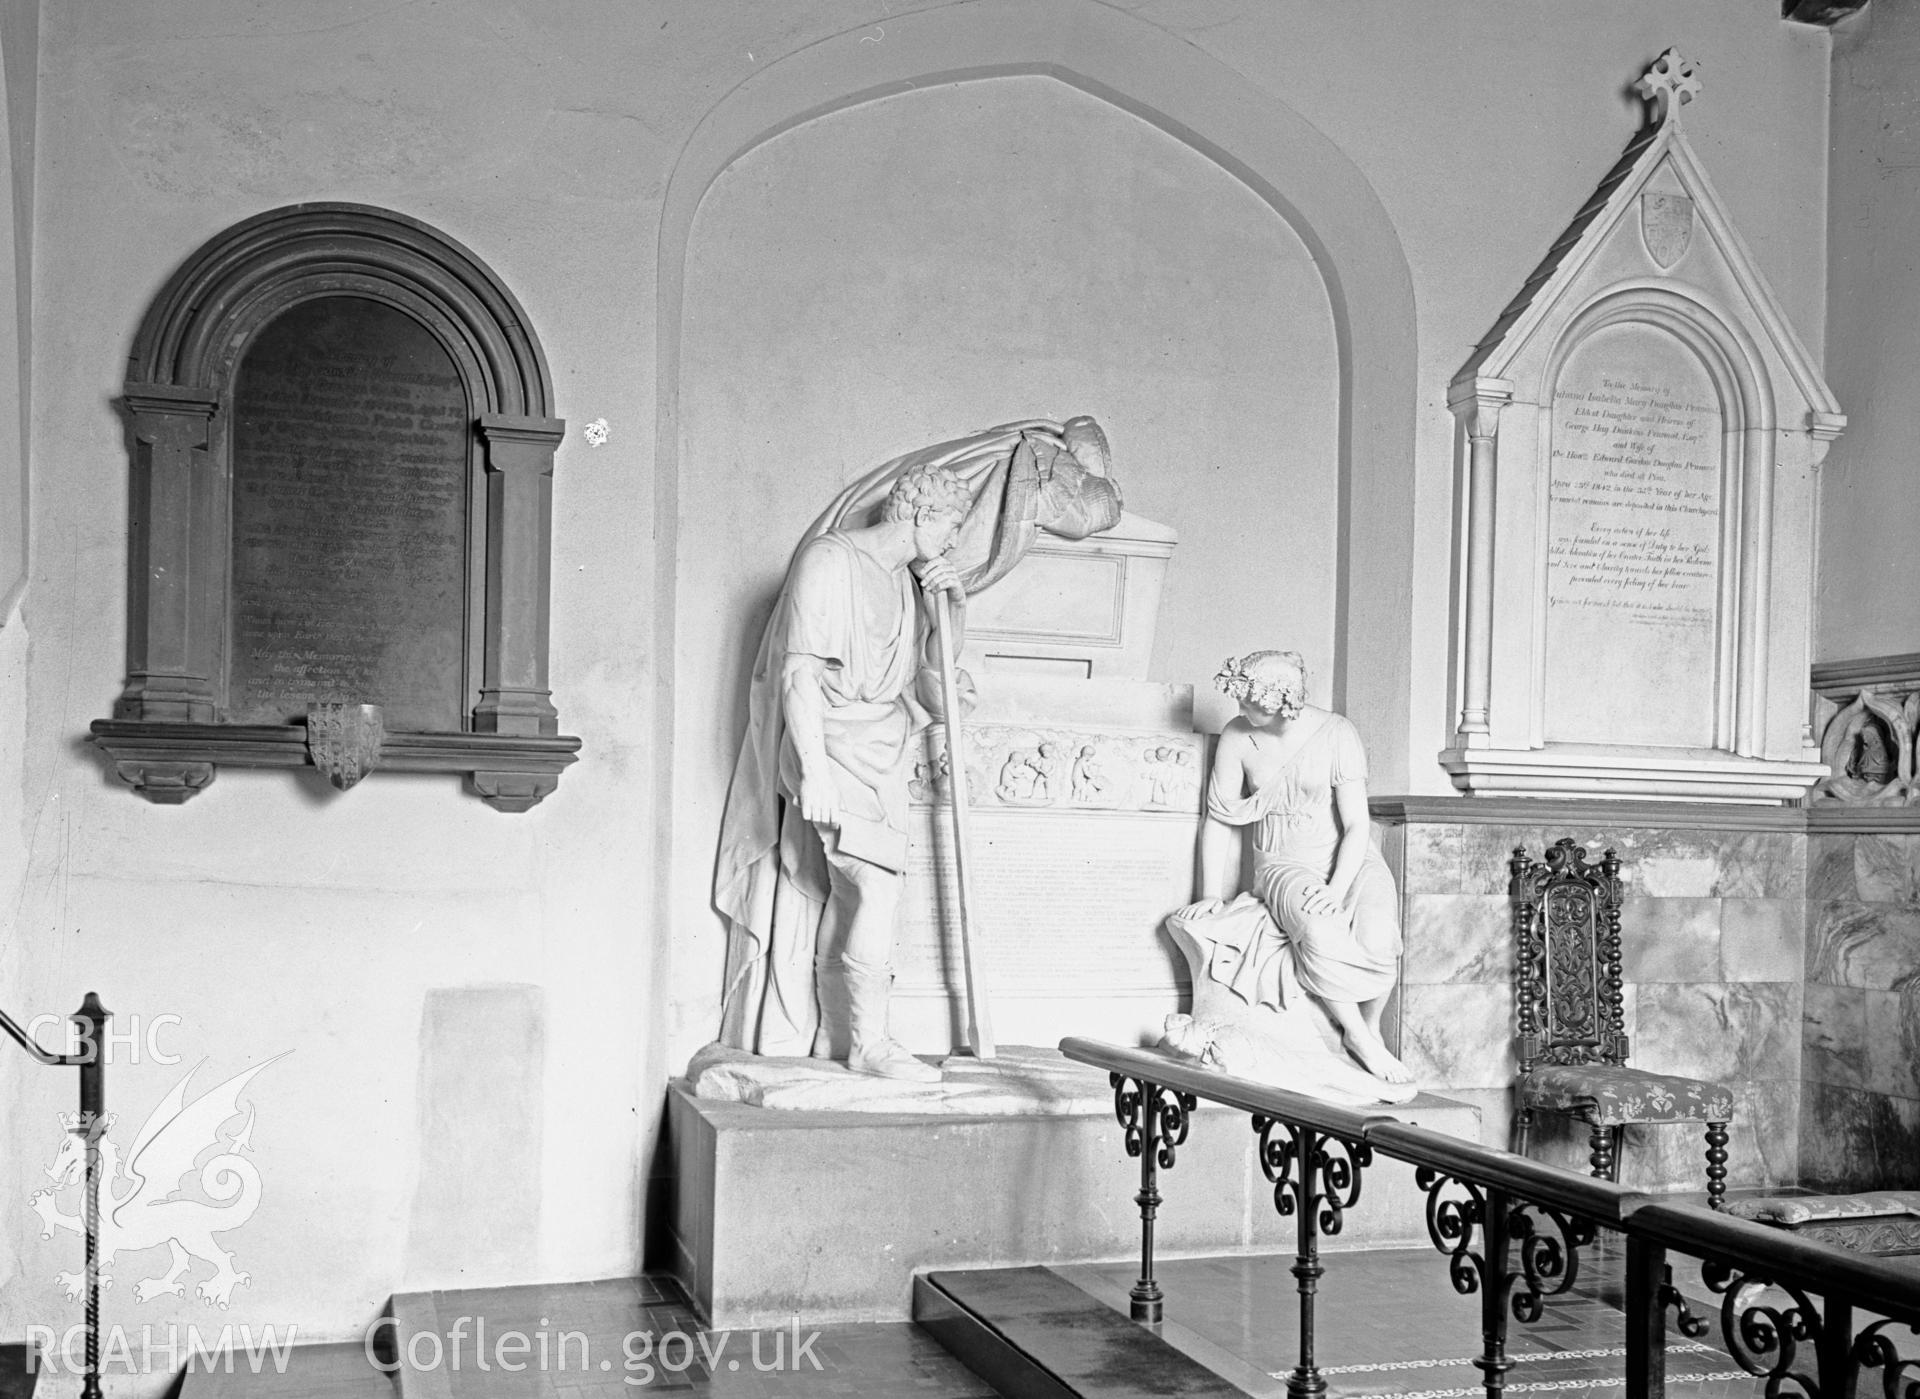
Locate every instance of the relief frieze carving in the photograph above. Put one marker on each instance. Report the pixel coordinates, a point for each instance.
(1013, 766)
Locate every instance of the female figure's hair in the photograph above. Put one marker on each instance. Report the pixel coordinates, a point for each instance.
(1259, 678)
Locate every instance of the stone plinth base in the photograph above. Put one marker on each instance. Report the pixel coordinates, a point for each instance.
(827, 1215)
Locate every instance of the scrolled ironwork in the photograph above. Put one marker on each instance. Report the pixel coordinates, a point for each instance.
(1279, 1151)
(1873, 1349)
(1450, 1224)
(1172, 1113)
(1154, 1120)
(1547, 1243)
(1764, 1339)
(1175, 1111)
(1126, 1107)
(1549, 1262)
(1338, 1164)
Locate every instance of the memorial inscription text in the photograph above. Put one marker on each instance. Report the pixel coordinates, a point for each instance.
(1633, 541)
(350, 501)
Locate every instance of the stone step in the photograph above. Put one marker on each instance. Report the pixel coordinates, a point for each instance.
(18, 1372)
(1030, 1332)
(336, 1370)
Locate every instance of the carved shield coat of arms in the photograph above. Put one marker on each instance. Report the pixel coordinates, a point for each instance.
(1666, 222)
(344, 740)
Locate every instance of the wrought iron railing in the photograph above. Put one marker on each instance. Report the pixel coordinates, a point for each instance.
(88, 1124)
(1513, 1231)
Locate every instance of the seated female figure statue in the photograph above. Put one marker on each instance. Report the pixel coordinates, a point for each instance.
(1298, 774)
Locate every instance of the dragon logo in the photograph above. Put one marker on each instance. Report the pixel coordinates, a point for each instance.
(145, 1202)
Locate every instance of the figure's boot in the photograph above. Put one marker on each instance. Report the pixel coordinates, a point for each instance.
(872, 1052)
(830, 1040)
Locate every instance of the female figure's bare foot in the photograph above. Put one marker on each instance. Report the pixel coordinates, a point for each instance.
(1375, 1057)
(1364, 1042)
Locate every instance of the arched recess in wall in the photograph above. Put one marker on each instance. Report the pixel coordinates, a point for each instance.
(1199, 101)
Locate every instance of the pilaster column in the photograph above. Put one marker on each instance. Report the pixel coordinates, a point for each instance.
(177, 561)
(514, 698)
(1476, 404)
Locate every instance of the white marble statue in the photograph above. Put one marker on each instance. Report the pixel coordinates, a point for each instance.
(813, 843)
(1323, 908)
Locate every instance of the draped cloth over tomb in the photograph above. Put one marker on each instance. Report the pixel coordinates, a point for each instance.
(1023, 481)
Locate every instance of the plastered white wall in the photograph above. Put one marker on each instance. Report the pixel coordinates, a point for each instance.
(1870, 511)
(271, 915)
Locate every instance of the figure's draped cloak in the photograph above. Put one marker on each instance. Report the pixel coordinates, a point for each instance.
(770, 878)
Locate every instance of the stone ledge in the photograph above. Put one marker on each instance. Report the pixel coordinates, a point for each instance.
(1558, 811)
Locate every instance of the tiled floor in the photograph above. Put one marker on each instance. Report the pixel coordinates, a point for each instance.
(1389, 1323)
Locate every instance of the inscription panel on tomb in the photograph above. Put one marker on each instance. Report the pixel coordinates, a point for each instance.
(350, 470)
(1064, 907)
(1634, 545)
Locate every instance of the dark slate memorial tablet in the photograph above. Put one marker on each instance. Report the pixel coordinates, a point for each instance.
(350, 519)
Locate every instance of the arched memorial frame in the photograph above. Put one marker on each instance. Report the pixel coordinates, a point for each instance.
(169, 733)
(1745, 400)
(1652, 249)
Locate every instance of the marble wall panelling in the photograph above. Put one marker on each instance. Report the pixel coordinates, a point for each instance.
(1687, 864)
(1766, 1133)
(1670, 939)
(1458, 938)
(1763, 939)
(1458, 1036)
(1830, 869)
(1391, 838)
(1853, 1140)
(1719, 1032)
(1444, 858)
(1496, 1112)
(1762, 1143)
(1872, 946)
(1893, 1040)
(1834, 1036)
(1460, 859)
(1883, 868)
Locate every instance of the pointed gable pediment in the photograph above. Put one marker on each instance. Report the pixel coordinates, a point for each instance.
(1657, 215)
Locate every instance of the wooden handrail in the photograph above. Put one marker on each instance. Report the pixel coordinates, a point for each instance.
(1766, 1252)
(1482, 1201)
(1601, 1201)
(1262, 1100)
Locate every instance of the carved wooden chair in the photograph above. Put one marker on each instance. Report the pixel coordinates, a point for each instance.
(1572, 1037)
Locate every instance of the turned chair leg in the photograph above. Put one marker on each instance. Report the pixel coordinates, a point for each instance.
(1717, 1165)
(1602, 1159)
(1522, 1131)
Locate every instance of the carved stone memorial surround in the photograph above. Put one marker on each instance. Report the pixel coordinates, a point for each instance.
(1636, 443)
(342, 440)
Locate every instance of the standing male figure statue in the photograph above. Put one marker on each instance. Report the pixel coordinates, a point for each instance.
(854, 692)
(813, 844)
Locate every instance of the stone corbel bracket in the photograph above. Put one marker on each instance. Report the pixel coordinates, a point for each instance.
(167, 763)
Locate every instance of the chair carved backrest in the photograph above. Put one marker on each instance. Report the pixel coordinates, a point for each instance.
(1566, 923)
